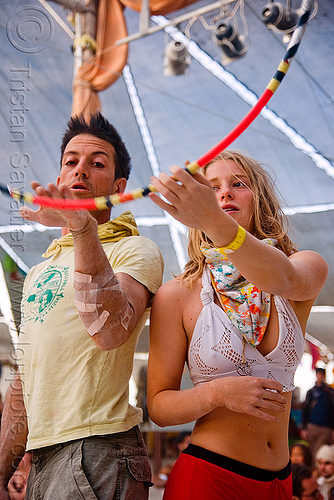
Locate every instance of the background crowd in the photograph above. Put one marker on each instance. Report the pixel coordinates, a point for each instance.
(311, 443)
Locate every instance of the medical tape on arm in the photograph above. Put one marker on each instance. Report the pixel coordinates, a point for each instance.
(100, 301)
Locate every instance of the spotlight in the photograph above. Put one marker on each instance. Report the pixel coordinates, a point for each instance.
(231, 43)
(275, 16)
(176, 59)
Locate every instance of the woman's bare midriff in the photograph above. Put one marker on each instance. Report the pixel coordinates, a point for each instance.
(245, 438)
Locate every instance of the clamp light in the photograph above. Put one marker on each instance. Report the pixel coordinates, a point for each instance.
(176, 60)
(231, 43)
(274, 15)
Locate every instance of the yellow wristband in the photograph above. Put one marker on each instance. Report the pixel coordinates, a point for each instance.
(236, 243)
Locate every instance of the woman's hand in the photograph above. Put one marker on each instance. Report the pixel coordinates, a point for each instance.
(191, 198)
(74, 220)
(250, 395)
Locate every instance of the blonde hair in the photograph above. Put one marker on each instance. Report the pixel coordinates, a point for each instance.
(269, 221)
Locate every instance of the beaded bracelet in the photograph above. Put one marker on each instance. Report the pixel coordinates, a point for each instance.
(236, 243)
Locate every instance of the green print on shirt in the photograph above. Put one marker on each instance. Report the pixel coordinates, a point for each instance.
(45, 292)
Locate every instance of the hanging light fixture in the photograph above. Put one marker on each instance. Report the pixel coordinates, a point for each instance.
(176, 59)
(231, 42)
(275, 16)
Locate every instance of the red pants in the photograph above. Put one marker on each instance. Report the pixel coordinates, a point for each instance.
(200, 474)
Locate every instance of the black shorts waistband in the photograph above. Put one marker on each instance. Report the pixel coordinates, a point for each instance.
(235, 466)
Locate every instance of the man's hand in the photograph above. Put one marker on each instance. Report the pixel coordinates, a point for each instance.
(74, 220)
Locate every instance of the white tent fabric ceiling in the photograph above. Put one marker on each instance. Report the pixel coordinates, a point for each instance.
(166, 120)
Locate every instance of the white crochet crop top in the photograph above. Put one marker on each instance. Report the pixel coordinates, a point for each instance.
(216, 346)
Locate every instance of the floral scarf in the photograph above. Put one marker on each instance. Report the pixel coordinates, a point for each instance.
(246, 306)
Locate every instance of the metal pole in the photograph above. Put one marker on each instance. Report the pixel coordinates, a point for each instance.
(74, 5)
(85, 24)
(175, 21)
(89, 27)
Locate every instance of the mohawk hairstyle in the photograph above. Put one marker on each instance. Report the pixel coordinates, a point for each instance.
(101, 128)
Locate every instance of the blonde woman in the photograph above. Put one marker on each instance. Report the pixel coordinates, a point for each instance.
(237, 317)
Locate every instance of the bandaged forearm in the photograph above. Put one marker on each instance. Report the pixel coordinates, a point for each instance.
(101, 303)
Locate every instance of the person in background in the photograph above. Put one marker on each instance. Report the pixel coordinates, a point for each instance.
(324, 461)
(304, 484)
(181, 442)
(301, 454)
(318, 413)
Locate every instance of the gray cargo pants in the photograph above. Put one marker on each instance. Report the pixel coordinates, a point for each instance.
(111, 467)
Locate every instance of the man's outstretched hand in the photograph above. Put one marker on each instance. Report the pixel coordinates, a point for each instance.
(74, 220)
